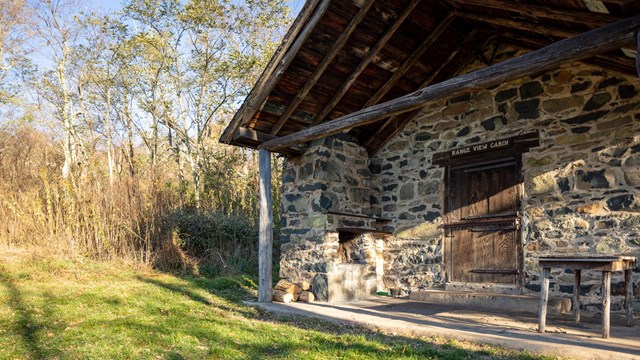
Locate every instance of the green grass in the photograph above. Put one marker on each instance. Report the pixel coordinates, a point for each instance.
(51, 307)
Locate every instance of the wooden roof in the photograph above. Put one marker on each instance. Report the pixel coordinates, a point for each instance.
(341, 56)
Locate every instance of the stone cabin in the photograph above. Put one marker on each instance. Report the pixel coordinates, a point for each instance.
(527, 151)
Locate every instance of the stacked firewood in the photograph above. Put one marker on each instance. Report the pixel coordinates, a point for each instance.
(286, 291)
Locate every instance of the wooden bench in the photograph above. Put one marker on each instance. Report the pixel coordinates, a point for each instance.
(606, 264)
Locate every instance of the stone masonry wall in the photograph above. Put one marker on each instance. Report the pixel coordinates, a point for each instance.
(582, 184)
(332, 176)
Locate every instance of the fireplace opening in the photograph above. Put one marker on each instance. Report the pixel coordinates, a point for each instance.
(350, 249)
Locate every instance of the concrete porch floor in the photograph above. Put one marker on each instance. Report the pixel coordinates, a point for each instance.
(511, 330)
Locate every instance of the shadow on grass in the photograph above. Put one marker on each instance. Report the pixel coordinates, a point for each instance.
(322, 337)
(26, 325)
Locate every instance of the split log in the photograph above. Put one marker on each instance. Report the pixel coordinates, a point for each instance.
(305, 285)
(306, 296)
(288, 287)
(283, 297)
(295, 297)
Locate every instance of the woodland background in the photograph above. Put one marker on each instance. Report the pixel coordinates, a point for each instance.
(109, 126)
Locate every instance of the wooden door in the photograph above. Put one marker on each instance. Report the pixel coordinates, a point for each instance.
(483, 223)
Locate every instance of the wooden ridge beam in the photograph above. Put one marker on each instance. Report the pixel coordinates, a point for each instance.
(425, 83)
(302, 27)
(518, 25)
(328, 58)
(364, 62)
(591, 19)
(583, 46)
(617, 63)
(408, 63)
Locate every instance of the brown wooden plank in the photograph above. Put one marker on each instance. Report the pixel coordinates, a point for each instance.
(534, 11)
(580, 47)
(328, 58)
(466, 255)
(364, 62)
(520, 25)
(576, 295)
(628, 301)
(406, 65)
(434, 74)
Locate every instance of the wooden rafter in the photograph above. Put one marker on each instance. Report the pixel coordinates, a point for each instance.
(533, 11)
(520, 25)
(583, 46)
(364, 62)
(412, 115)
(432, 76)
(411, 60)
(301, 29)
(328, 58)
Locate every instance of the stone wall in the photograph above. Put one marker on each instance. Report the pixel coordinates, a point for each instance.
(582, 184)
(332, 176)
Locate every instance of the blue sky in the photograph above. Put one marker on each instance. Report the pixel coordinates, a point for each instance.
(111, 5)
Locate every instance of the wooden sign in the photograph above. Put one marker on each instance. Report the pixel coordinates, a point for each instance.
(480, 148)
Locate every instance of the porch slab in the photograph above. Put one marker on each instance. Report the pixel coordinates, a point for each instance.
(509, 329)
(492, 301)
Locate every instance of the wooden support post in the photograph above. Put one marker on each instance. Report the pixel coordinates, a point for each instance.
(576, 295)
(606, 303)
(544, 298)
(265, 241)
(628, 301)
(638, 52)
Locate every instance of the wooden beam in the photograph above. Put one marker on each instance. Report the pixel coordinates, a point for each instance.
(434, 74)
(265, 235)
(638, 53)
(519, 25)
(620, 64)
(585, 45)
(364, 62)
(408, 63)
(296, 36)
(328, 58)
(416, 112)
(252, 135)
(588, 18)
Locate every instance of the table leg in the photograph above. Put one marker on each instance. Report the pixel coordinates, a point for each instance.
(576, 295)
(628, 281)
(606, 303)
(544, 297)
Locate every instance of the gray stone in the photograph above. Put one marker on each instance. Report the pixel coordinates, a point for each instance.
(597, 101)
(581, 86)
(621, 202)
(562, 104)
(581, 119)
(527, 109)
(506, 94)
(406, 191)
(586, 180)
(626, 91)
(530, 89)
(320, 287)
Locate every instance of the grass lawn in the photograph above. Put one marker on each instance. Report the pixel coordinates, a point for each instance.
(52, 307)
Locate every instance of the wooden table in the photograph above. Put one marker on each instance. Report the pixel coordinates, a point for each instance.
(606, 264)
